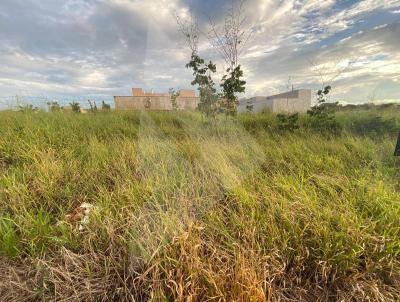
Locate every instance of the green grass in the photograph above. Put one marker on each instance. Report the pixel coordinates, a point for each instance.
(190, 211)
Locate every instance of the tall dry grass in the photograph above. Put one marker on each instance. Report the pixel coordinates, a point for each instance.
(188, 211)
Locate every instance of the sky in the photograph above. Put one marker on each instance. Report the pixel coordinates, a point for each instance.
(101, 48)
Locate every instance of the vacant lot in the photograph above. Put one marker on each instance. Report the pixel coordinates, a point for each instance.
(183, 210)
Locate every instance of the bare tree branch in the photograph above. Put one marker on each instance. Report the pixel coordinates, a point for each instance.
(325, 74)
(231, 39)
(190, 30)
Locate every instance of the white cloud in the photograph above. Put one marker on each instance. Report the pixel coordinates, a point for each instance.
(106, 46)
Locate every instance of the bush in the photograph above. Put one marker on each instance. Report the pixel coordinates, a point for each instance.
(93, 106)
(8, 238)
(325, 123)
(397, 149)
(75, 107)
(54, 106)
(249, 107)
(289, 122)
(105, 106)
(374, 126)
(27, 108)
(257, 122)
(322, 115)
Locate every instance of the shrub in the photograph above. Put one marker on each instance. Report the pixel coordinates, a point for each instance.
(397, 149)
(93, 106)
(202, 71)
(249, 107)
(105, 106)
(322, 115)
(147, 104)
(27, 108)
(232, 84)
(374, 126)
(289, 122)
(8, 237)
(75, 107)
(174, 95)
(54, 106)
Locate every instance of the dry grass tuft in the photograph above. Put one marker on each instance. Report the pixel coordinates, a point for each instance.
(185, 211)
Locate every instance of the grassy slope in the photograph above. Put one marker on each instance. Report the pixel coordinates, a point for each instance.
(240, 212)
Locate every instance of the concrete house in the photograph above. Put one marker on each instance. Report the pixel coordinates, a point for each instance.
(187, 100)
(288, 102)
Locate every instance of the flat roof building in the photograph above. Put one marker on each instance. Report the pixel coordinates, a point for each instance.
(287, 102)
(140, 100)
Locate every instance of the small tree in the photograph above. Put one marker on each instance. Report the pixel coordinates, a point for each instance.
(54, 106)
(249, 106)
(174, 95)
(230, 38)
(230, 41)
(323, 114)
(231, 85)
(147, 104)
(105, 106)
(75, 107)
(189, 28)
(397, 149)
(202, 72)
(27, 108)
(93, 106)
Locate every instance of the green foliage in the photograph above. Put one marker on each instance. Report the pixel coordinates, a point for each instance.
(37, 227)
(322, 115)
(75, 107)
(93, 106)
(258, 122)
(105, 106)
(27, 108)
(8, 238)
(375, 125)
(209, 102)
(202, 72)
(232, 84)
(369, 106)
(174, 95)
(397, 149)
(54, 106)
(249, 107)
(147, 104)
(179, 202)
(289, 122)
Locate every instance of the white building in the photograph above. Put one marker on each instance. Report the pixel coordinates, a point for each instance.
(288, 102)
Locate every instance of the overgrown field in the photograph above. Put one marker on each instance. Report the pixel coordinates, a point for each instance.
(185, 210)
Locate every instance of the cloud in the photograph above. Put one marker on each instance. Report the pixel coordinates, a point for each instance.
(104, 47)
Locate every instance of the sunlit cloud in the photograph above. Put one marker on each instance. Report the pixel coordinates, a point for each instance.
(98, 47)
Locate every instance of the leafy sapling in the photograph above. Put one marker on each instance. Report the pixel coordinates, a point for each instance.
(105, 106)
(322, 115)
(202, 72)
(232, 84)
(174, 95)
(75, 107)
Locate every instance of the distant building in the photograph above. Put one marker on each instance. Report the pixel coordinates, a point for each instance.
(288, 102)
(187, 100)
